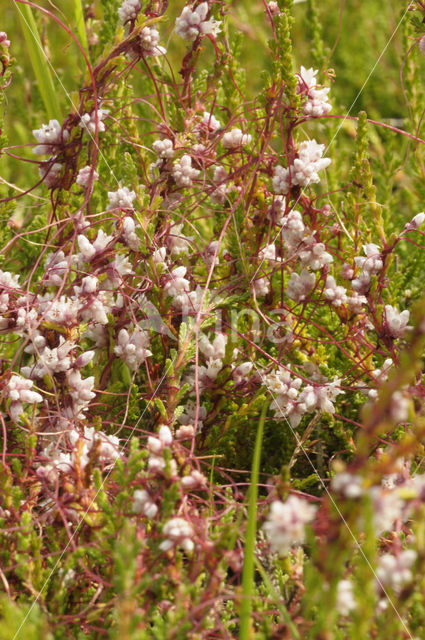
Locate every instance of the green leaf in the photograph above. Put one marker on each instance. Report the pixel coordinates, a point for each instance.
(245, 622)
(39, 62)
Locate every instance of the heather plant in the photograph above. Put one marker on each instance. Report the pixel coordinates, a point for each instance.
(212, 321)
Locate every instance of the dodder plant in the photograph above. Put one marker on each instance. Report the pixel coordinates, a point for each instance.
(194, 253)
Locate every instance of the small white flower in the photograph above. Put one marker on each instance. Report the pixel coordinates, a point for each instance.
(313, 254)
(345, 600)
(143, 503)
(50, 173)
(193, 23)
(417, 220)
(215, 349)
(177, 242)
(336, 294)
(178, 532)
(195, 480)
(274, 8)
(235, 138)
(321, 397)
(86, 248)
(396, 321)
(299, 286)
(88, 120)
(281, 180)
(183, 172)
(121, 199)
(83, 176)
(347, 484)
(149, 41)
(242, 371)
(309, 163)
(50, 136)
(261, 287)
(268, 253)
(178, 284)
(316, 104)
(165, 435)
(19, 390)
(81, 390)
(285, 523)
(164, 148)
(129, 10)
(395, 571)
(159, 256)
(210, 121)
(132, 349)
(129, 233)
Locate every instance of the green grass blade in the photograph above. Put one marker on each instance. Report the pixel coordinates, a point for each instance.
(39, 62)
(245, 624)
(81, 26)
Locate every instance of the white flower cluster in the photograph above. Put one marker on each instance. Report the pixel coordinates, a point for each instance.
(347, 484)
(88, 120)
(234, 139)
(81, 392)
(214, 353)
(149, 41)
(274, 8)
(193, 23)
(313, 254)
(285, 525)
(194, 480)
(261, 287)
(19, 390)
(216, 348)
(187, 419)
(164, 148)
(387, 499)
(55, 266)
(50, 360)
(121, 199)
(396, 322)
(143, 503)
(129, 10)
(336, 294)
(268, 253)
(241, 372)
(82, 446)
(49, 137)
(83, 176)
(183, 172)
(179, 532)
(304, 170)
(156, 446)
(293, 229)
(129, 233)
(299, 286)
(89, 249)
(369, 265)
(345, 600)
(395, 571)
(415, 222)
(220, 178)
(290, 402)
(177, 242)
(210, 122)
(133, 349)
(316, 103)
(50, 173)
